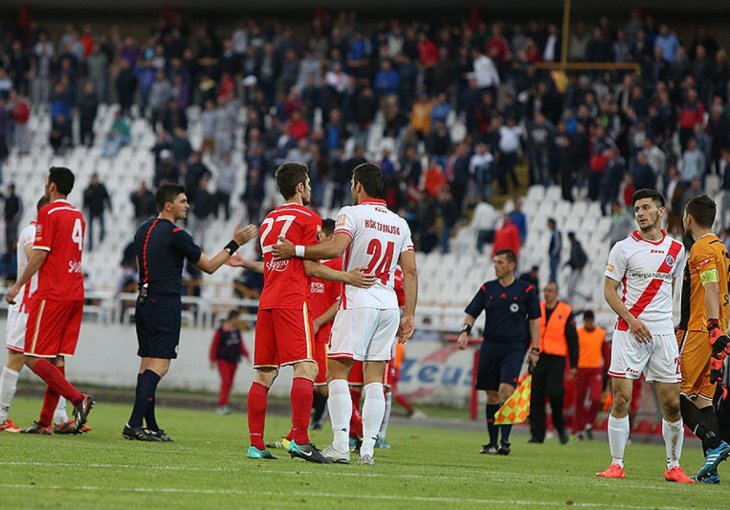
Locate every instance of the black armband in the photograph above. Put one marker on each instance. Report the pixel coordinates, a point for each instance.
(231, 247)
(466, 329)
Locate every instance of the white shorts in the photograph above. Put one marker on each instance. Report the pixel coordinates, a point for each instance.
(15, 330)
(364, 334)
(658, 360)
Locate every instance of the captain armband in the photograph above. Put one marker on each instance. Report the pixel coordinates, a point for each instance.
(709, 276)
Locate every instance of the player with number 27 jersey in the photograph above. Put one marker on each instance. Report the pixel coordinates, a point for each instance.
(56, 308)
(379, 236)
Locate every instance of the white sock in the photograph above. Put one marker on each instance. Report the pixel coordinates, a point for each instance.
(59, 415)
(618, 434)
(339, 405)
(673, 433)
(373, 411)
(386, 418)
(8, 384)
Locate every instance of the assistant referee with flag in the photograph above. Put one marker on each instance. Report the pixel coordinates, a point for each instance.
(509, 305)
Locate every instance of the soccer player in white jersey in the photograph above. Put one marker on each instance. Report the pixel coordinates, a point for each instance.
(368, 320)
(638, 286)
(15, 340)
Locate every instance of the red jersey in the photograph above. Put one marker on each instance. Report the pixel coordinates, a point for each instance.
(398, 285)
(286, 285)
(60, 229)
(323, 294)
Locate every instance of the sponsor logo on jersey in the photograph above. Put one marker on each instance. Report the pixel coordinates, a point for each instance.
(317, 288)
(650, 275)
(277, 265)
(514, 308)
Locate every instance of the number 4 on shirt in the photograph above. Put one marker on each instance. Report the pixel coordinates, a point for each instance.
(77, 235)
(375, 248)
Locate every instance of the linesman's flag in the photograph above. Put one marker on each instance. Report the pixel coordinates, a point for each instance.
(517, 407)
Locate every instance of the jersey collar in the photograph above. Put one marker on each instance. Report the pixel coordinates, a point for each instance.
(372, 201)
(636, 235)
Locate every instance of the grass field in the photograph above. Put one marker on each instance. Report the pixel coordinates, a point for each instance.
(427, 467)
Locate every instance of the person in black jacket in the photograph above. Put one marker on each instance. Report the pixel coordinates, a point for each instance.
(226, 351)
(96, 200)
(88, 107)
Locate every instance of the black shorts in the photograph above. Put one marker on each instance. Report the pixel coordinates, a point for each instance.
(499, 363)
(158, 326)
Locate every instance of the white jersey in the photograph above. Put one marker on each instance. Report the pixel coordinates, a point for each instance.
(379, 236)
(646, 270)
(26, 237)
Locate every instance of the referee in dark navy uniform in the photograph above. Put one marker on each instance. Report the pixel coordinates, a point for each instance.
(161, 249)
(512, 309)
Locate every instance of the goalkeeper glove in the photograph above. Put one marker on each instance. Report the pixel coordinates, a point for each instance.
(717, 368)
(718, 340)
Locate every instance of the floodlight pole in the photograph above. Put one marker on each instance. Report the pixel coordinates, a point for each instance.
(566, 33)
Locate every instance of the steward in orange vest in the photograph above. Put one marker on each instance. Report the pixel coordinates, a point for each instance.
(558, 340)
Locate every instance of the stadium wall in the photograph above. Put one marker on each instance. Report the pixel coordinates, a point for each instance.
(432, 372)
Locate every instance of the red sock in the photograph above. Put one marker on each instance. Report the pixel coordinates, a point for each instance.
(355, 397)
(355, 422)
(301, 409)
(50, 401)
(257, 397)
(56, 381)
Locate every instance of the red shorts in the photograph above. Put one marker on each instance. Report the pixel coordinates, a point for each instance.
(53, 328)
(320, 356)
(356, 377)
(283, 337)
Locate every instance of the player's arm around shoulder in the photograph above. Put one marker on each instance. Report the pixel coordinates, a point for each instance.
(356, 277)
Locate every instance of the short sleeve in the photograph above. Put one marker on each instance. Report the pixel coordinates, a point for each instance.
(476, 306)
(312, 230)
(532, 303)
(407, 242)
(43, 231)
(345, 223)
(184, 242)
(616, 267)
(682, 260)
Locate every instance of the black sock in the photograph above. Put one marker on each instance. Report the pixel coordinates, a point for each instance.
(144, 396)
(491, 427)
(506, 431)
(318, 407)
(709, 419)
(696, 421)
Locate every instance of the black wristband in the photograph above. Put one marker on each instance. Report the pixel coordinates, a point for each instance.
(466, 329)
(536, 350)
(231, 247)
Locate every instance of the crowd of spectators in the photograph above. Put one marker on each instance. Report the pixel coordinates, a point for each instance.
(454, 107)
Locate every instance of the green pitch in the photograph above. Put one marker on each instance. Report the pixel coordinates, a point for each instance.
(426, 468)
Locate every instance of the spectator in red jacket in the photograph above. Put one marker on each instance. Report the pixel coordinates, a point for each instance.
(507, 237)
(225, 352)
(691, 114)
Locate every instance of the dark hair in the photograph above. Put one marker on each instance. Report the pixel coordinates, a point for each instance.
(371, 178)
(63, 178)
(167, 193)
(288, 177)
(509, 254)
(232, 314)
(703, 210)
(552, 221)
(328, 226)
(43, 201)
(648, 193)
(588, 314)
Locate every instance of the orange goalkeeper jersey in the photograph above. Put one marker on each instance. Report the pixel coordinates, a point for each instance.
(708, 261)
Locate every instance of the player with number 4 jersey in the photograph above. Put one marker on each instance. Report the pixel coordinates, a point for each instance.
(56, 308)
(366, 235)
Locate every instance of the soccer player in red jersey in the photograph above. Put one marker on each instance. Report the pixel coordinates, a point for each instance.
(284, 324)
(55, 312)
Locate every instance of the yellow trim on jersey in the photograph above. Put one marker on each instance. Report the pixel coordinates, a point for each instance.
(709, 276)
